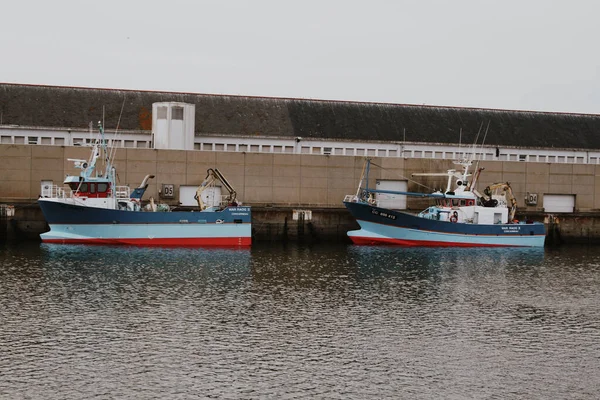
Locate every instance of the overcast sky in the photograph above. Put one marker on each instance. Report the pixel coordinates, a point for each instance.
(527, 54)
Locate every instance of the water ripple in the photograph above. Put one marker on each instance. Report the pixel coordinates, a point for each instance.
(335, 322)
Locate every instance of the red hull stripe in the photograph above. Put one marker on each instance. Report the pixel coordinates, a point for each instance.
(175, 242)
(419, 243)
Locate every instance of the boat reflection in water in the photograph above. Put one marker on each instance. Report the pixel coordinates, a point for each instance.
(428, 263)
(449, 277)
(386, 259)
(325, 267)
(156, 267)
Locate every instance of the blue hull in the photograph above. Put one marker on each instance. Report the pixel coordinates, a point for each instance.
(77, 224)
(383, 226)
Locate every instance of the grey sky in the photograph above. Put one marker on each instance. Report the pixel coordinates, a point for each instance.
(528, 54)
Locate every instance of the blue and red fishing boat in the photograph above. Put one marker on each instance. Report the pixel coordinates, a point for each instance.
(93, 209)
(461, 216)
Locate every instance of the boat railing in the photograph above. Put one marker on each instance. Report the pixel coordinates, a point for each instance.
(224, 201)
(7, 211)
(352, 198)
(55, 191)
(122, 192)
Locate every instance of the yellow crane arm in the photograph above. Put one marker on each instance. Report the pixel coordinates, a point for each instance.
(213, 175)
(508, 194)
(210, 178)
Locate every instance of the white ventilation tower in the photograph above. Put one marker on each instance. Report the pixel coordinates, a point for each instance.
(173, 125)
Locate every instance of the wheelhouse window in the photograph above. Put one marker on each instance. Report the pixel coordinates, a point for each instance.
(102, 187)
(81, 188)
(444, 202)
(92, 188)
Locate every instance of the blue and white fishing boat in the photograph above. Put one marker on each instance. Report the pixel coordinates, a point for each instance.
(94, 210)
(461, 216)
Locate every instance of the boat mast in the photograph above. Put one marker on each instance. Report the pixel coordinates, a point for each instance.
(367, 175)
(104, 148)
(362, 177)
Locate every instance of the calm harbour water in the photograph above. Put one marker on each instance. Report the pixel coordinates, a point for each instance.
(335, 322)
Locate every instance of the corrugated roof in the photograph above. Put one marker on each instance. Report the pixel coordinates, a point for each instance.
(56, 106)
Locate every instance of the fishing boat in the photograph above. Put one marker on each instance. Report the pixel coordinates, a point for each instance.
(93, 209)
(460, 217)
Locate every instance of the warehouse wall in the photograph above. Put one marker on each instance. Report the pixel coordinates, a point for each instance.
(286, 179)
